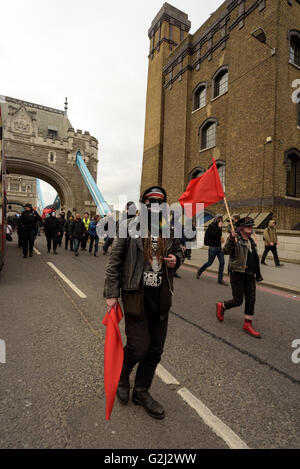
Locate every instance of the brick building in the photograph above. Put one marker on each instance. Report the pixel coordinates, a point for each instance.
(226, 92)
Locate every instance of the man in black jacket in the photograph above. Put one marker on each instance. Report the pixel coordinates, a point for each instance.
(62, 221)
(77, 232)
(28, 222)
(140, 270)
(213, 239)
(68, 234)
(52, 227)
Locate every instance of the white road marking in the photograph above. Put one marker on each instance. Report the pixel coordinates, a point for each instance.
(37, 252)
(68, 282)
(217, 426)
(165, 376)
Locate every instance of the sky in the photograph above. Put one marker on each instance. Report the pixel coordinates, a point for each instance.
(95, 53)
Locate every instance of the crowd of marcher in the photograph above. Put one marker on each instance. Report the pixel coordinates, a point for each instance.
(140, 273)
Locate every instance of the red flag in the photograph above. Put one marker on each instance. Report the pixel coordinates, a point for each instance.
(206, 189)
(113, 356)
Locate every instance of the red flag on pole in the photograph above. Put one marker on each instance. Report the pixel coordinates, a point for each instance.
(113, 356)
(206, 189)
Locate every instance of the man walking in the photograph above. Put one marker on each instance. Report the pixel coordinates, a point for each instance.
(52, 227)
(140, 270)
(62, 221)
(67, 231)
(271, 242)
(86, 220)
(213, 239)
(28, 221)
(94, 238)
(77, 232)
(244, 272)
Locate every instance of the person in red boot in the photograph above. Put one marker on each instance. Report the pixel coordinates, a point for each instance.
(244, 273)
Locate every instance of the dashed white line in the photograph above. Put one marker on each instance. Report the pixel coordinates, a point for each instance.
(213, 422)
(37, 252)
(67, 281)
(165, 376)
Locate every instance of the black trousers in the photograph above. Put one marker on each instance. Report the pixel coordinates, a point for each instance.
(51, 239)
(145, 344)
(242, 286)
(28, 240)
(67, 239)
(273, 249)
(84, 241)
(60, 238)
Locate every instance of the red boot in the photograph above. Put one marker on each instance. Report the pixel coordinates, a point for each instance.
(248, 328)
(220, 311)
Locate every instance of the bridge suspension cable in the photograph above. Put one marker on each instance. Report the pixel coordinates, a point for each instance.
(99, 200)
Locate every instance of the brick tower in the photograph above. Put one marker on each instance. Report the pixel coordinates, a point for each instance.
(168, 29)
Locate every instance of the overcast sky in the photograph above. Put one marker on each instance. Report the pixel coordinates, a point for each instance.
(95, 53)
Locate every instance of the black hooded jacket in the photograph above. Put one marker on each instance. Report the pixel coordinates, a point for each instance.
(213, 235)
(29, 219)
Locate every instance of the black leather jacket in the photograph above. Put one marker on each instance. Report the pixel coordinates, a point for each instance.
(124, 272)
(238, 252)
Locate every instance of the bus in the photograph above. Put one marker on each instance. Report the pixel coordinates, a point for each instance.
(3, 201)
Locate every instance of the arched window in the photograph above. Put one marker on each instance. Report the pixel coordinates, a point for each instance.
(293, 174)
(196, 173)
(221, 165)
(220, 82)
(199, 97)
(295, 48)
(207, 133)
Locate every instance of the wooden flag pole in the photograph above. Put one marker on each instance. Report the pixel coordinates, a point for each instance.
(230, 220)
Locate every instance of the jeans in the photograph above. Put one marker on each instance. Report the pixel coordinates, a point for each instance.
(94, 239)
(242, 285)
(212, 254)
(28, 239)
(273, 249)
(76, 243)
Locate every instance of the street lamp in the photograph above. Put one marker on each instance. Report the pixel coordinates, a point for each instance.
(260, 35)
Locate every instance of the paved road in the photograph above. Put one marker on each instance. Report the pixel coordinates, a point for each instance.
(51, 387)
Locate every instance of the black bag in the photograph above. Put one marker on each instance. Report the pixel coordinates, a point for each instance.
(8, 237)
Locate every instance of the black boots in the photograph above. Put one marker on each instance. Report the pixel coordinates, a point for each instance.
(124, 385)
(152, 407)
(141, 396)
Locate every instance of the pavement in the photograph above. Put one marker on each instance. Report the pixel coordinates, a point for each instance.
(51, 386)
(286, 277)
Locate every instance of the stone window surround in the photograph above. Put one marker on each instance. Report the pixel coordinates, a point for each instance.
(203, 85)
(291, 151)
(220, 70)
(291, 33)
(211, 120)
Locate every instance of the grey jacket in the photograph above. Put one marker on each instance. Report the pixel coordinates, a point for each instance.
(125, 268)
(238, 252)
